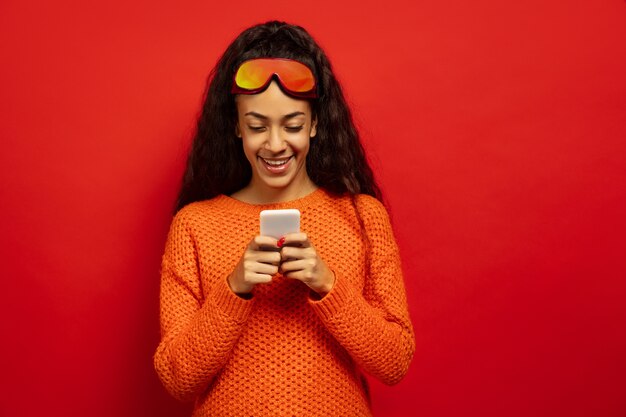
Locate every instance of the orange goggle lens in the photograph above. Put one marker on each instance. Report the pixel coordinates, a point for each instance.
(255, 75)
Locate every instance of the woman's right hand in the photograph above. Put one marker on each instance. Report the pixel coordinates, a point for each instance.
(258, 263)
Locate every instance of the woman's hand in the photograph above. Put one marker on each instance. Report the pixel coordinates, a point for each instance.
(300, 261)
(258, 263)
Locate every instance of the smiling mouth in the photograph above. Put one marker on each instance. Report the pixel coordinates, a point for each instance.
(276, 166)
(276, 162)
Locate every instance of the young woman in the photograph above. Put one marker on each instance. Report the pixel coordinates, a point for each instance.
(252, 325)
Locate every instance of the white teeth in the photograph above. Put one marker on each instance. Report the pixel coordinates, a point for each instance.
(276, 163)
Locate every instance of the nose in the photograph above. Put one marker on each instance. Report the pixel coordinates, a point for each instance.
(275, 142)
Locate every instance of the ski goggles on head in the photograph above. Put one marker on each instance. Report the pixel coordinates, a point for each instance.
(255, 75)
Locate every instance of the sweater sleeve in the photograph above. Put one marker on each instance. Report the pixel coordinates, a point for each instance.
(373, 325)
(199, 327)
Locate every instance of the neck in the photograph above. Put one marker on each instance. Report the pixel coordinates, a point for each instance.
(255, 193)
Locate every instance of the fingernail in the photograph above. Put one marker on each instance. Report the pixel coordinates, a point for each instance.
(280, 242)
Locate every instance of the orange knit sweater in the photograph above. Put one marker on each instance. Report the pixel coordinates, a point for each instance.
(282, 352)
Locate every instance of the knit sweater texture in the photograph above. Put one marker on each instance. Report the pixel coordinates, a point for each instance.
(283, 352)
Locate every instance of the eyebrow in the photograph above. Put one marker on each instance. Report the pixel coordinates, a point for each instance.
(285, 117)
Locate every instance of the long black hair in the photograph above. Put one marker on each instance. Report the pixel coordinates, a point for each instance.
(217, 165)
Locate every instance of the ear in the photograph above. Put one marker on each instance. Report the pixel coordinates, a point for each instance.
(313, 128)
(237, 131)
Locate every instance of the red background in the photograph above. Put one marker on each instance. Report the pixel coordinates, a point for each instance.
(497, 131)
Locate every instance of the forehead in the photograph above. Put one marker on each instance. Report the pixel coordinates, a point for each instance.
(272, 103)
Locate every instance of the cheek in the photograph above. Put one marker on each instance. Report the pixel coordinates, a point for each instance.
(249, 149)
(301, 144)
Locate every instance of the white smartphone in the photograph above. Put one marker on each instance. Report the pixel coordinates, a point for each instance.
(278, 223)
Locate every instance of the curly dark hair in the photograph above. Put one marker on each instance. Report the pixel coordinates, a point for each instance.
(216, 164)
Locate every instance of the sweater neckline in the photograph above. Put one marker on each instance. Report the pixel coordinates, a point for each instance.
(310, 199)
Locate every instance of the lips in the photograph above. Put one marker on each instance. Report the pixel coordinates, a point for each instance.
(276, 165)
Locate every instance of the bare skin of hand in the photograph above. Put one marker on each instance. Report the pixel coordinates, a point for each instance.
(300, 261)
(258, 263)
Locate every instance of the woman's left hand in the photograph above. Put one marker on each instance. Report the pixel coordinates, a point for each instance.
(300, 261)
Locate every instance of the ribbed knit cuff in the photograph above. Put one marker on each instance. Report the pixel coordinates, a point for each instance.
(335, 301)
(230, 303)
